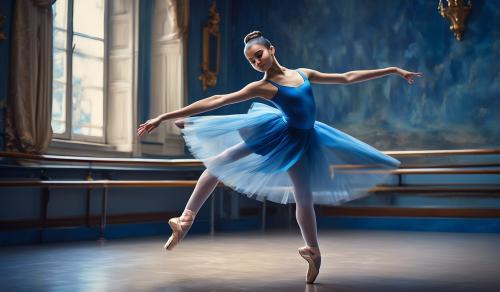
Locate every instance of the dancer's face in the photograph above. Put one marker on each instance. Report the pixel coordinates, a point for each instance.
(260, 57)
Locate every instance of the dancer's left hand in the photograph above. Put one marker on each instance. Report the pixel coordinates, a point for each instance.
(409, 75)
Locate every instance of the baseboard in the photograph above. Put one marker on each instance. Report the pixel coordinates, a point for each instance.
(202, 226)
(113, 231)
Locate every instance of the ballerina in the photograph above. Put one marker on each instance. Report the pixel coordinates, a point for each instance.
(279, 153)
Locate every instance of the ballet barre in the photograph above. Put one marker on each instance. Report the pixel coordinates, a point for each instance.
(493, 191)
(89, 183)
(196, 162)
(105, 185)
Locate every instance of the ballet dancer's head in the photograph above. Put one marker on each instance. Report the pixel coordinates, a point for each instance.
(259, 51)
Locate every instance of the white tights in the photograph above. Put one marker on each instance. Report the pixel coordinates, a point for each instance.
(305, 215)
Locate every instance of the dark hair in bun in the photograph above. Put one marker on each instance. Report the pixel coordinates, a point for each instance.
(254, 34)
(255, 37)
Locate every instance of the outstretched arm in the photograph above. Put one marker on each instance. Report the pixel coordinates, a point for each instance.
(358, 75)
(215, 101)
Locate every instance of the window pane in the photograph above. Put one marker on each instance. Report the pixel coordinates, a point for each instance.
(59, 65)
(88, 17)
(60, 14)
(88, 68)
(87, 96)
(89, 47)
(87, 71)
(59, 38)
(58, 107)
(87, 111)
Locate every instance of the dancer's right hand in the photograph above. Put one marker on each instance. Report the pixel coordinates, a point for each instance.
(148, 126)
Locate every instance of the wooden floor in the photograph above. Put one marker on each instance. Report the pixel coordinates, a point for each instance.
(253, 261)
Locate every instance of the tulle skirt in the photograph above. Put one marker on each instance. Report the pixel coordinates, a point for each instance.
(257, 154)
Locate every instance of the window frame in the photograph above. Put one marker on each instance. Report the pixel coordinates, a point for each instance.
(68, 135)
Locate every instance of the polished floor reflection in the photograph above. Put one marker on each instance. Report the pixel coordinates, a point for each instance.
(253, 261)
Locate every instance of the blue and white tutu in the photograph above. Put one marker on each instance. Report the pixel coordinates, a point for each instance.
(340, 168)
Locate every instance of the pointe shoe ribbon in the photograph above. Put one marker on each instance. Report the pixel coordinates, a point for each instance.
(180, 227)
(313, 257)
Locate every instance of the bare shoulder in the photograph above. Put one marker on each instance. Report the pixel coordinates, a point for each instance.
(262, 88)
(307, 71)
(326, 78)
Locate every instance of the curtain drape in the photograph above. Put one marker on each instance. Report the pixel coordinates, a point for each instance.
(28, 116)
(178, 17)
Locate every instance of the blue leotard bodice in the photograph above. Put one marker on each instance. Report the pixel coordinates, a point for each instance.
(296, 103)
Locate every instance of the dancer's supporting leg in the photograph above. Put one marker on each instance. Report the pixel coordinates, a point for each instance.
(306, 217)
(304, 207)
(203, 189)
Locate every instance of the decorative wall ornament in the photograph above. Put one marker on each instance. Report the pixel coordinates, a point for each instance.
(211, 36)
(456, 11)
(2, 20)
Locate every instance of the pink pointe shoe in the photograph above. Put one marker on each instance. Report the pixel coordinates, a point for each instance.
(180, 226)
(313, 256)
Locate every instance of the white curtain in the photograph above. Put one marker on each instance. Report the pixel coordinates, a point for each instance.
(28, 117)
(177, 12)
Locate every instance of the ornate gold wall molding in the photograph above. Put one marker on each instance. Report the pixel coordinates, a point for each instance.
(456, 11)
(211, 34)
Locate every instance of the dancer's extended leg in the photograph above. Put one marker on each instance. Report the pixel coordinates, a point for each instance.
(203, 189)
(207, 182)
(306, 217)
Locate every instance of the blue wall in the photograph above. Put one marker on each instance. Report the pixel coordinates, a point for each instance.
(454, 106)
